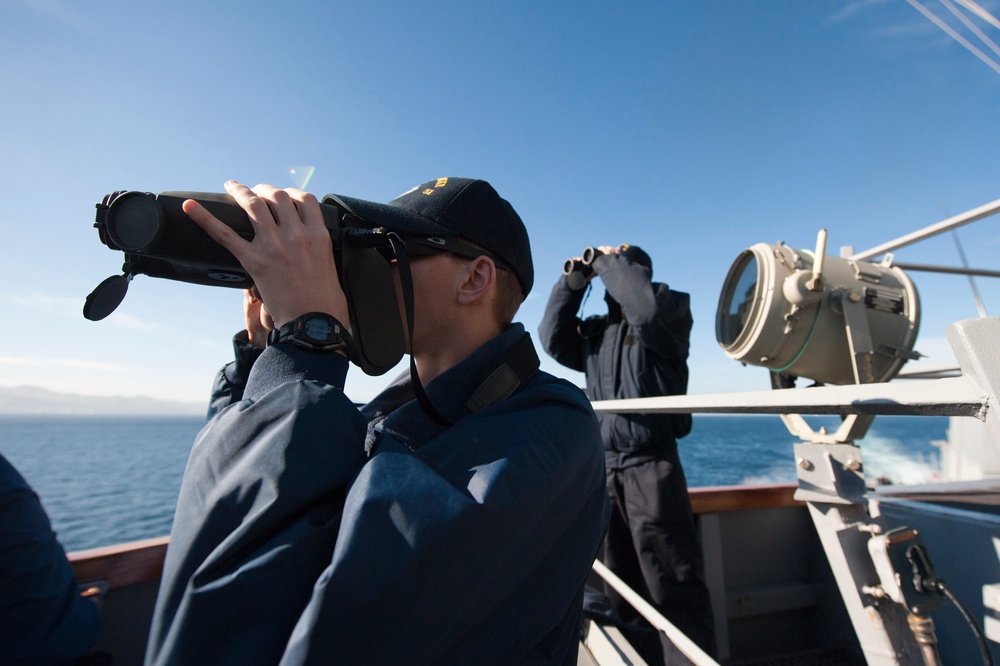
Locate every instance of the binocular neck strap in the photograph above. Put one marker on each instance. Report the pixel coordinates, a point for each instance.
(406, 282)
(586, 297)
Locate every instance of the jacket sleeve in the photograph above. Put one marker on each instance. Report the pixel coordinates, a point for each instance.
(471, 557)
(559, 332)
(231, 380)
(258, 513)
(661, 315)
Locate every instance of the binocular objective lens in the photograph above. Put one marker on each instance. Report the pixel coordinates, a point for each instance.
(134, 222)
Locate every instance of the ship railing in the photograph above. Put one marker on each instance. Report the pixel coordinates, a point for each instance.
(970, 394)
(955, 396)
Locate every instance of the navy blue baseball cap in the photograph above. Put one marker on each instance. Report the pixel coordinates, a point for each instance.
(458, 207)
(636, 254)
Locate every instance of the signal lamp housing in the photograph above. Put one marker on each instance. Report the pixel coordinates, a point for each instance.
(807, 314)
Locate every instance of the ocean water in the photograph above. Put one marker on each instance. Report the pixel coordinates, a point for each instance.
(102, 480)
(107, 480)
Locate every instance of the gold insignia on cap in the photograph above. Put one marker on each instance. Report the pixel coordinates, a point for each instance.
(441, 182)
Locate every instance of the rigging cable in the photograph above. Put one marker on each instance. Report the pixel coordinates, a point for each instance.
(972, 281)
(971, 26)
(954, 35)
(976, 9)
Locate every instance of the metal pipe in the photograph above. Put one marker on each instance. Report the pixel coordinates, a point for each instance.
(928, 268)
(956, 396)
(933, 230)
(653, 616)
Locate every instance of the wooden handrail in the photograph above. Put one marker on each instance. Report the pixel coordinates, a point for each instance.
(121, 564)
(721, 499)
(141, 561)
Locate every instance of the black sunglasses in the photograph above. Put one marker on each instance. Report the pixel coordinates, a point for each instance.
(417, 246)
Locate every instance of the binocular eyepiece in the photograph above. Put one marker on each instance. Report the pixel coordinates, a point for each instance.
(577, 271)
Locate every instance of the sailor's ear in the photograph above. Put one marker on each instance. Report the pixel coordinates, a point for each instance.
(480, 276)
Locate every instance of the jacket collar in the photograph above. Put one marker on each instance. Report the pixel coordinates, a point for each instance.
(395, 411)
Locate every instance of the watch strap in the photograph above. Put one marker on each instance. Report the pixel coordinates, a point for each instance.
(301, 332)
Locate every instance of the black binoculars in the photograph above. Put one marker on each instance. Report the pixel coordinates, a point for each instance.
(578, 270)
(160, 240)
(582, 264)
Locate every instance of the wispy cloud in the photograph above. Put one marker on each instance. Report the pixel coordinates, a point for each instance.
(54, 361)
(15, 360)
(71, 307)
(853, 8)
(59, 10)
(134, 323)
(63, 306)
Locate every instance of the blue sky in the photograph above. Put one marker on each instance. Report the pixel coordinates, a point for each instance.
(693, 129)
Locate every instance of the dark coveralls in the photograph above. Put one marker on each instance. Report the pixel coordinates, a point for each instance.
(309, 532)
(639, 349)
(43, 619)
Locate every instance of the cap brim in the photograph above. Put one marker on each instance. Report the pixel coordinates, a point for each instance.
(377, 214)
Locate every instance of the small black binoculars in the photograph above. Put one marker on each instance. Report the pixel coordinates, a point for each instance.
(582, 264)
(577, 271)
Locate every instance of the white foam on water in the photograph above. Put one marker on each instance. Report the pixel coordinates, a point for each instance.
(891, 459)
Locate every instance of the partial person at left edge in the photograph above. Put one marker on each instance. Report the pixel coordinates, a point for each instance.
(452, 520)
(43, 619)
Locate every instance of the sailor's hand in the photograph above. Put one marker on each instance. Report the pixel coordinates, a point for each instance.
(582, 277)
(258, 319)
(291, 256)
(607, 249)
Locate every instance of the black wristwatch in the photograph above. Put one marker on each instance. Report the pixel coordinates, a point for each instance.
(316, 331)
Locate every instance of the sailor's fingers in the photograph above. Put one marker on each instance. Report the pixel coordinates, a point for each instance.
(218, 231)
(291, 255)
(254, 201)
(298, 220)
(255, 317)
(308, 207)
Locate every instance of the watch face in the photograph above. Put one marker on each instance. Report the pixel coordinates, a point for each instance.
(318, 329)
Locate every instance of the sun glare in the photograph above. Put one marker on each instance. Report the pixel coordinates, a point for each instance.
(300, 175)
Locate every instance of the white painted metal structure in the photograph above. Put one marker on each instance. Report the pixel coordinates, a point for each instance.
(831, 476)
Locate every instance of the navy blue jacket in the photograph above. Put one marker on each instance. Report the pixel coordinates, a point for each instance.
(639, 349)
(309, 532)
(231, 381)
(43, 619)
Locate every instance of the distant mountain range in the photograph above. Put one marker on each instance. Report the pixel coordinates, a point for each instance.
(34, 400)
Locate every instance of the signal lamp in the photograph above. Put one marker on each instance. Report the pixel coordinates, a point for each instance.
(805, 314)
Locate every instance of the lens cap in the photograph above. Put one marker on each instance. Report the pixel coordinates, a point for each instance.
(106, 297)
